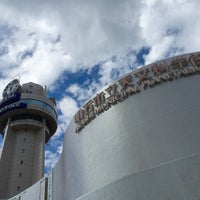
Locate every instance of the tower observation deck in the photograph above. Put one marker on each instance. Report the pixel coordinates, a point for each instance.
(28, 119)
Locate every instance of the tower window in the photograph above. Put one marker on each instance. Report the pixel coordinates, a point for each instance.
(18, 188)
(23, 150)
(21, 162)
(24, 140)
(20, 174)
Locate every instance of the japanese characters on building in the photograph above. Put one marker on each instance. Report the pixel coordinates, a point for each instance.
(136, 82)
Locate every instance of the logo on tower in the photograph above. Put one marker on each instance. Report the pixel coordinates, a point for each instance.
(11, 89)
(11, 94)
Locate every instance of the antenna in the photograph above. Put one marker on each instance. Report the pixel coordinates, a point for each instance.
(16, 77)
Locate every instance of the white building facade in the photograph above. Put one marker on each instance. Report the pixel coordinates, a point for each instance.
(136, 139)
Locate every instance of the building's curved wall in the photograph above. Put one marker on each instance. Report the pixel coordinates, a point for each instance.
(146, 147)
(143, 148)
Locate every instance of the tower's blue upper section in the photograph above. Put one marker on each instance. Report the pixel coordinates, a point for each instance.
(28, 100)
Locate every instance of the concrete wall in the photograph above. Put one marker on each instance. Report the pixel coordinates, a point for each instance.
(146, 147)
(35, 192)
(22, 164)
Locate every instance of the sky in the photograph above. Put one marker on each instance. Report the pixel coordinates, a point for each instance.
(76, 47)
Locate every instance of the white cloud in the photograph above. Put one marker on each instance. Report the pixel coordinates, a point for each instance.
(108, 72)
(51, 159)
(35, 57)
(113, 69)
(170, 27)
(69, 35)
(83, 92)
(68, 108)
(158, 51)
(90, 32)
(74, 89)
(94, 31)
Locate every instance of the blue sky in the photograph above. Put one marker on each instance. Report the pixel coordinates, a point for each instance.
(77, 47)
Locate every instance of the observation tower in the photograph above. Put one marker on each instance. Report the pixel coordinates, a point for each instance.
(28, 119)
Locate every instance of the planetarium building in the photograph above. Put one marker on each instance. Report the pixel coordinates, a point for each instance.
(136, 139)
